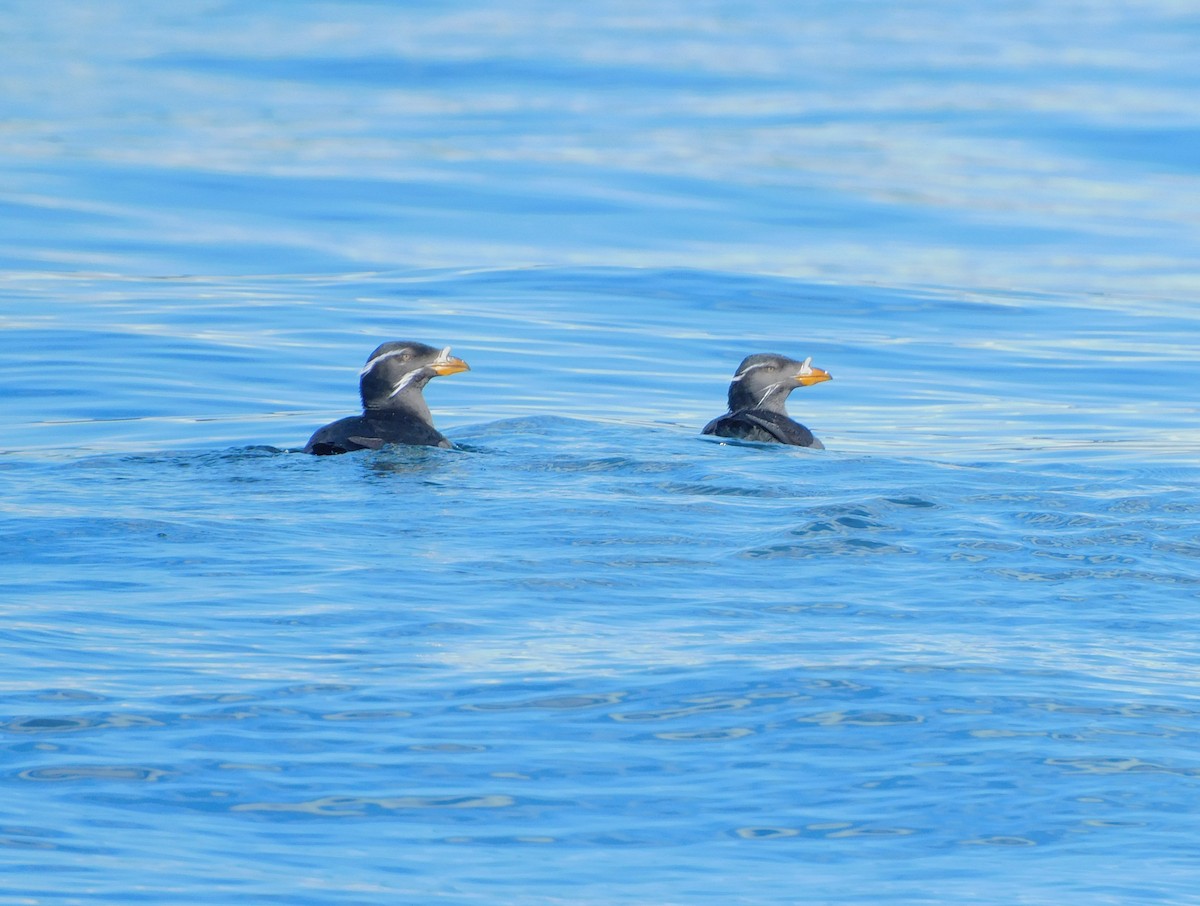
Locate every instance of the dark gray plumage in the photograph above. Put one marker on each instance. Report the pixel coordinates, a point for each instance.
(758, 397)
(394, 410)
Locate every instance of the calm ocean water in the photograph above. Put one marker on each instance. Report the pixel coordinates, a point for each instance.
(590, 656)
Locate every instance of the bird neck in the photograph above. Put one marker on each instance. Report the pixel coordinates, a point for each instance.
(404, 403)
(772, 398)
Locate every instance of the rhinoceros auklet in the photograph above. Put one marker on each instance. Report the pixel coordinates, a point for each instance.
(394, 411)
(757, 398)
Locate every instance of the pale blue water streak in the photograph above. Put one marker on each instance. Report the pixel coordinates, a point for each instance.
(1032, 144)
(591, 656)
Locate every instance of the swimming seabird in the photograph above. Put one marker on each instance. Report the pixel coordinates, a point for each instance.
(757, 401)
(394, 411)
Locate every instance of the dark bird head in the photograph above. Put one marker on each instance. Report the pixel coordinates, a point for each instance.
(764, 380)
(396, 373)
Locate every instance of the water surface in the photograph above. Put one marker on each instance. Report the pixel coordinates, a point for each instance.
(591, 656)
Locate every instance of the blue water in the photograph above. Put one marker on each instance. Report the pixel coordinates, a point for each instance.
(590, 656)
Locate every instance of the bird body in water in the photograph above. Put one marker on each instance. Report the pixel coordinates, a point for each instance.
(757, 401)
(394, 409)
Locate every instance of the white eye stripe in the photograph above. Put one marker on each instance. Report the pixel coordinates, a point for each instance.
(745, 371)
(379, 358)
(443, 357)
(805, 369)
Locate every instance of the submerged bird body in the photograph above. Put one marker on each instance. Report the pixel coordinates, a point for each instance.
(367, 432)
(763, 426)
(394, 409)
(758, 397)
